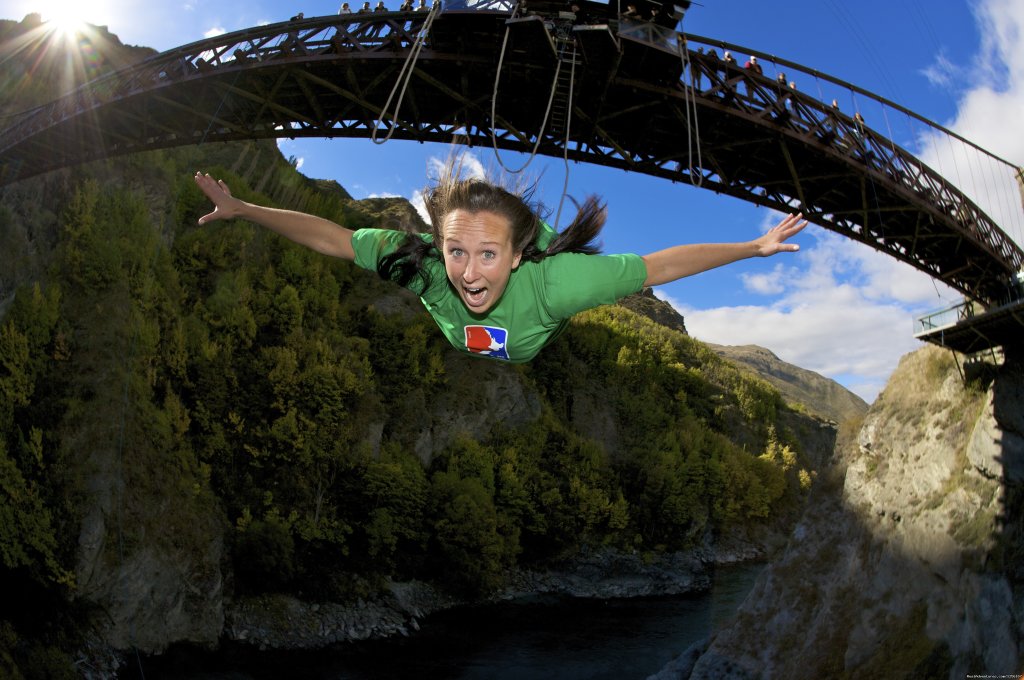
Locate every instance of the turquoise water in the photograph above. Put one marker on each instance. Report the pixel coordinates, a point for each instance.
(543, 638)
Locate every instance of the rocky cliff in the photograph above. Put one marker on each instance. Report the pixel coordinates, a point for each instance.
(658, 311)
(907, 562)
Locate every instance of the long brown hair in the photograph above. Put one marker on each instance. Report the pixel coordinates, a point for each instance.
(453, 192)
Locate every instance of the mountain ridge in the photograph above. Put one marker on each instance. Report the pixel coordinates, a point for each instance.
(812, 391)
(801, 387)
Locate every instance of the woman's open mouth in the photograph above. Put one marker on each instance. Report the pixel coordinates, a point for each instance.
(474, 297)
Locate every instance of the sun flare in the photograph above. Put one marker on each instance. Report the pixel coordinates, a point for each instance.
(67, 16)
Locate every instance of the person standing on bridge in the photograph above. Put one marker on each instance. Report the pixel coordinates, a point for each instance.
(497, 280)
(752, 67)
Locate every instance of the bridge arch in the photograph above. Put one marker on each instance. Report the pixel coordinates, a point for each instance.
(626, 94)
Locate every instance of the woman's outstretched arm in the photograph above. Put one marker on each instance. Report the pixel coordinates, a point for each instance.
(674, 263)
(311, 231)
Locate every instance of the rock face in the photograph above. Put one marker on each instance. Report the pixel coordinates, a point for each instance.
(607, 574)
(285, 622)
(817, 394)
(907, 561)
(658, 311)
(150, 545)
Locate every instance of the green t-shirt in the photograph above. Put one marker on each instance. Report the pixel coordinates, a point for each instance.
(537, 302)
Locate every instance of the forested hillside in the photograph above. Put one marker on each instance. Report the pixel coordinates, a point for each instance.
(203, 413)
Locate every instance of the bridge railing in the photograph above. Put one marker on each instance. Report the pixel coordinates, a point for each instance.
(947, 317)
(480, 5)
(965, 310)
(650, 33)
(879, 132)
(988, 181)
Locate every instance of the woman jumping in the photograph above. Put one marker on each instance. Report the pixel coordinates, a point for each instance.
(498, 281)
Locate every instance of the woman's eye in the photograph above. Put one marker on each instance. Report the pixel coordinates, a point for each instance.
(456, 252)
(489, 255)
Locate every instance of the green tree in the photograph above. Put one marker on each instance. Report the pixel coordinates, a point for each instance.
(264, 552)
(397, 490)
(26, 526)
(465, 533)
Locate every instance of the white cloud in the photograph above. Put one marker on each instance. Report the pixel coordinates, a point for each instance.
(420, 204)
(765, 284)
(1000, 23)
(471, 167)
(214, 32)
(877, 277)
(943, 73)
(384, 194)
(837, 335)
(989, 114)
(845, 311)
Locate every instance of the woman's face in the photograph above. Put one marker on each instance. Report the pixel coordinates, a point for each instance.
(478, 256)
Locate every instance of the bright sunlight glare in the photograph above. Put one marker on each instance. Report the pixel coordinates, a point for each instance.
(67, 16)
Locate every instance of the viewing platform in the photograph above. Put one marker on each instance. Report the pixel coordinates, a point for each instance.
(967, 327)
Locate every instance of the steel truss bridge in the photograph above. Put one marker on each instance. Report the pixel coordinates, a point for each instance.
(616, 92)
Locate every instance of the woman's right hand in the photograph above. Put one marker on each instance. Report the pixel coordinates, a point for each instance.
(225, 206)
(308, 230)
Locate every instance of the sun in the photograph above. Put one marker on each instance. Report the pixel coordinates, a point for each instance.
(66, 16)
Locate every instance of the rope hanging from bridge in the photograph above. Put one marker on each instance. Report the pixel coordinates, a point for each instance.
(404, 76)
(692, 123)
(220, 105)
(565, 146)
(494, 100)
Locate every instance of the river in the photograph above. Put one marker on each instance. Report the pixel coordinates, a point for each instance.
(540, 638)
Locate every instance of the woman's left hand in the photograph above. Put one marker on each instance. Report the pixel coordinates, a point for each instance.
(774, 240)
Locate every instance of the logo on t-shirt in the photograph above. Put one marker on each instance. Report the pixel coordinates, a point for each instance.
(488, 341)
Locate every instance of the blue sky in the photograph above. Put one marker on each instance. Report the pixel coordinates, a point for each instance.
(836, 307)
